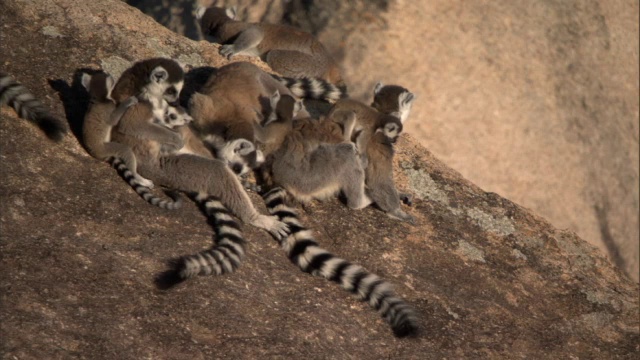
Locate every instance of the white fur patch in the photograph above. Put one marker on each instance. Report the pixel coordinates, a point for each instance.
(377, 87)
(199, 13)
(405, 102)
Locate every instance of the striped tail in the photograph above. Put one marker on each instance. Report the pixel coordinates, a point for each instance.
(222, 258)
(313, 88)
(28, 107)
(143, 191)
(305, 252)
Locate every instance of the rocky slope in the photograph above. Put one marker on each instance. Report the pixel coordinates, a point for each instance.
(80, 249)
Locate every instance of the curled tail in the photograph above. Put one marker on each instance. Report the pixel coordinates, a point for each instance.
(305, 252)
(222, 258)
(313, 88)
(143, 191)
(28, 107)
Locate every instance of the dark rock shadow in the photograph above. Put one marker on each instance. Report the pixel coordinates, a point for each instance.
(75, 100)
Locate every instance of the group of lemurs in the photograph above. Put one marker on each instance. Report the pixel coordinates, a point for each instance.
(244, 120)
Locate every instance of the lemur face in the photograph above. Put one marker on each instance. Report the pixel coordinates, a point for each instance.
(175, 117)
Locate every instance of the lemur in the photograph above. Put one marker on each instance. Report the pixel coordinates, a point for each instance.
(101, 117)
(28, 107)
(379, 153)
(397, 101)
(287, 50)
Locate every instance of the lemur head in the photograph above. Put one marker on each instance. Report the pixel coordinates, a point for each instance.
(98, 86)
(284, 108)
(212, 17)
(175, 116)
(390, 127)
(156, 78)
(240, 155)
(393, 100)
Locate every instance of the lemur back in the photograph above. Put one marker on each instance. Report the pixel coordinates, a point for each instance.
(314, 159)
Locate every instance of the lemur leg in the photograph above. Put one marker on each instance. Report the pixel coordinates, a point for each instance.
(245, 43)
(125, 153)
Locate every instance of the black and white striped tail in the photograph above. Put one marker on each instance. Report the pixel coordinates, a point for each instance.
(144, 191)
(305, 252)
(313, 88)
(222, 258)
(28, 107)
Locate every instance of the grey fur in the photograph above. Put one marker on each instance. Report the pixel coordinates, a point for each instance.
(315, 159)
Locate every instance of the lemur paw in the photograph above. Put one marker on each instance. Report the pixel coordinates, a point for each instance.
(227, 51)
(401, 215)
(276, 228)
(145, 182)
(130, 101)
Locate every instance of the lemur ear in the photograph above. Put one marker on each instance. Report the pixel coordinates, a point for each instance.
(200, 10)
(297, 107)
(86, 81)
(232, 12)
(377, 88)
(407, 98)
(274, 99)
(243, 147)
(159, 74)
(110, 83)
(184, 67)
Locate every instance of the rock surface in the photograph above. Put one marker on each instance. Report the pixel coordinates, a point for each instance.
(79, 249)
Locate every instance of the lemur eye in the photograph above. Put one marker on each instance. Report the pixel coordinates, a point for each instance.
(173, 116)
(170, 91)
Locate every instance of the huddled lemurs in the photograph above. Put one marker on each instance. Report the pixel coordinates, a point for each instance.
(245, 120)
(186, 172)
(234, 100)
(288, 50)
